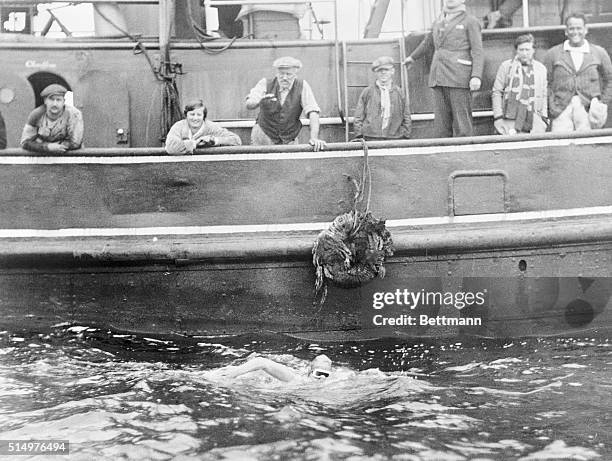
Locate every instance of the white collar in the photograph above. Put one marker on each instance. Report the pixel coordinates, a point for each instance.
(584, 48)
(385, 87)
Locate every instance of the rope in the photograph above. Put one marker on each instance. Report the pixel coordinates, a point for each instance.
(139, 45)
(353, 249)
(172, 106)
(201, 35)
(366, 174)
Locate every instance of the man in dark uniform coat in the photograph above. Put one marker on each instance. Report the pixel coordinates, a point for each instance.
(456, 68)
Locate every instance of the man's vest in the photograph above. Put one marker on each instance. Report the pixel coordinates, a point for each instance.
(281, 123)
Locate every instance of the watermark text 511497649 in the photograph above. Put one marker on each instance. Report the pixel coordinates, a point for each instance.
(34, 447)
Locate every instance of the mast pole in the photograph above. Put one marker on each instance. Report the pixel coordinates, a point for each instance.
(166, 8)
(525, 13)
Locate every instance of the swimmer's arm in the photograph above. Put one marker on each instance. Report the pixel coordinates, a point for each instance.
(276, 370)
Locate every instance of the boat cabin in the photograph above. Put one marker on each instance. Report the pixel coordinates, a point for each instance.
(129, 79)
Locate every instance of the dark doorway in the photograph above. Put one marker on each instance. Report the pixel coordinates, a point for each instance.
(41, 80)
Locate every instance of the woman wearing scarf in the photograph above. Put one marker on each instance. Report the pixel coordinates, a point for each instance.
(456, 68)
(195, 131)
(520, 91)
(382, 110)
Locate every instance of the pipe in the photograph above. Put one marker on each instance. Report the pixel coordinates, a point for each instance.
(109, 20)
(404, 75)
(604, 134)
(165, 22)
(345, 81)
(113, 44)
(341, 110)
(248, 123)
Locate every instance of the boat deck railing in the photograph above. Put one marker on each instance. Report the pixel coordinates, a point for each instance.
(604, 134)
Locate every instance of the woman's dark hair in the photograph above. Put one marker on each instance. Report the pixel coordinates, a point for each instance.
(195, 104)
(525, 38)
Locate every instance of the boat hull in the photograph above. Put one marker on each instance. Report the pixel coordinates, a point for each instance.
(221, 243)
(531, 290)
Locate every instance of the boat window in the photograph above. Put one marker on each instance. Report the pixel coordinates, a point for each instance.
(16, 20)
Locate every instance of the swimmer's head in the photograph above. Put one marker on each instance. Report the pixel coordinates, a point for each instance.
(321, 366)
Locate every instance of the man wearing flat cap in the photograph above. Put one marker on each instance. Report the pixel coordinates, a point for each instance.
(53, 127)
(382, 110)
(281, 101)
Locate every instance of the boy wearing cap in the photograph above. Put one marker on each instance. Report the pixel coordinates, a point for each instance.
(456, 68)
(382, 111)
(281, 101)
(53, 127)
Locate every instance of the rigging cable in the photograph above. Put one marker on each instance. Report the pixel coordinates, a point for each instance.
(139, 45)
(171, 110)
(201, 35)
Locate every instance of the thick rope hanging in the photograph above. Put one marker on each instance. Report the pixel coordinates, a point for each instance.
(352, 251)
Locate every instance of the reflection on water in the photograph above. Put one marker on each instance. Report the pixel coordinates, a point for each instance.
(126, 397)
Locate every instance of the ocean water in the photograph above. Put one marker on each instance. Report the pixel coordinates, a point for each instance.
(122, 397)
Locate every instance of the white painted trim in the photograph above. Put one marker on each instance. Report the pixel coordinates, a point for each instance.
(396, 151)
(295, 227)
(323, 121)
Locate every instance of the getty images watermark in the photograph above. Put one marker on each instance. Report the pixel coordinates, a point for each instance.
(407, 308)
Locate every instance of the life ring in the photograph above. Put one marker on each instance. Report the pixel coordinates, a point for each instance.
(351, 252)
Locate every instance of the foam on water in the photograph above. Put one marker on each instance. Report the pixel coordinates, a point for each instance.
(120, 396)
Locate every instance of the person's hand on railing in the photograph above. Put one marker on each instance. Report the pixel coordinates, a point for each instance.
(318, 144)
(207, 141)
(56, 147)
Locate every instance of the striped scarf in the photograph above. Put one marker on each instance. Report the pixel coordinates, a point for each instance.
(519, 101)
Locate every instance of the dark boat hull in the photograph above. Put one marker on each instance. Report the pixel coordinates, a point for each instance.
(220, 244)
(228, 297)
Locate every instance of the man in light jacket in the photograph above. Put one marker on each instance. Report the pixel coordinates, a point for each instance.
(579, 80)
(520, 91)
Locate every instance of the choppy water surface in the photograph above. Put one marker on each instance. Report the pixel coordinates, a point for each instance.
(127, 397)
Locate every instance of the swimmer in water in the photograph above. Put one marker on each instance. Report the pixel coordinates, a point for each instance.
(320, 367)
